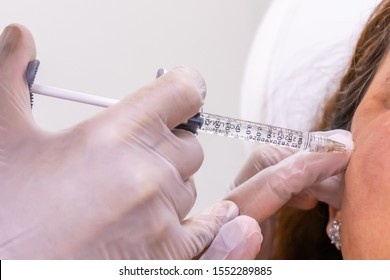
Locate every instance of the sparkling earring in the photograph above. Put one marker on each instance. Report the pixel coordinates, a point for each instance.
(334, 234)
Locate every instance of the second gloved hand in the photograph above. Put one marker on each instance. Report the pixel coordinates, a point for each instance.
(273, 177)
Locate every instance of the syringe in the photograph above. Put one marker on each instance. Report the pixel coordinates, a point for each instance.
(262, 133)
(219, 125)
(209, 123)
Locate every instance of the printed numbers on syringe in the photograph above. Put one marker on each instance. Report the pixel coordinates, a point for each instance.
(254, 132)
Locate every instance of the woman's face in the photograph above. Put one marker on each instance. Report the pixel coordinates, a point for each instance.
(365, 219)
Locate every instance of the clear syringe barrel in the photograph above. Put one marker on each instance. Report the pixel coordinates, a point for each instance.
(267, 134)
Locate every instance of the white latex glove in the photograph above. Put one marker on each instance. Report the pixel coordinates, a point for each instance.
(240, 238)
(273, 176)
(115, 186)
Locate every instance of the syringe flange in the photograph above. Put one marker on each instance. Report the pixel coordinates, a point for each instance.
(193, 124)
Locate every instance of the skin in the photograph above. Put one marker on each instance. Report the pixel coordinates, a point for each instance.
(365, 207)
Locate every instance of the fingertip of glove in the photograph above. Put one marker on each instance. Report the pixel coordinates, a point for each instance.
(341, 136)
(225, 210)
(241, 229)
(196, 78)
(250, 228)
(345, 139)
(15, 36)
(178, 95)
(242, 238)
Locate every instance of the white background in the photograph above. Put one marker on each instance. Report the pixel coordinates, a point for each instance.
(111, 48)
(99, 270)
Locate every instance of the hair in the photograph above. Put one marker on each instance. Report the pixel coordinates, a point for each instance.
(302, 234)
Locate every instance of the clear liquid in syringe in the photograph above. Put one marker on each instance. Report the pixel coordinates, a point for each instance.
(267, 134)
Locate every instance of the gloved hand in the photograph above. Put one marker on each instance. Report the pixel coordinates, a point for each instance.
(275, 176)
(115, 186)
(238, 239)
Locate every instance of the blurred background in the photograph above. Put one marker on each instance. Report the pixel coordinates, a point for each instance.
(113, 47)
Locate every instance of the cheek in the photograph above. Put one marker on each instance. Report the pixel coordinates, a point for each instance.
(371, 159)
(367, 178)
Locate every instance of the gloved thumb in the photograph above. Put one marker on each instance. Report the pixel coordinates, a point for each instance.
(17, 49)
(239, 239)
(203, 228)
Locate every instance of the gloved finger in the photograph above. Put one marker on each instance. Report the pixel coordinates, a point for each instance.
(339, 135)
(239, 239)
(202, 229)
(182, 149)
(157, 107)
(330, 190)
(262, 157)
(182, 198)
(184, 152)
(17, 49)
(185, 91)
(266, 192)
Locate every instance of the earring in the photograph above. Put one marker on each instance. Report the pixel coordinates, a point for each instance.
(334, 234)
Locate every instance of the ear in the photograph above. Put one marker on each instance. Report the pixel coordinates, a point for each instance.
(303, 201)
(334, 214)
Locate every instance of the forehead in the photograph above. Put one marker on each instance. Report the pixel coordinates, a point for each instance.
(377, 98)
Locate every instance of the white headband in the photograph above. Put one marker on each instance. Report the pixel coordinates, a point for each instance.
(298, 56)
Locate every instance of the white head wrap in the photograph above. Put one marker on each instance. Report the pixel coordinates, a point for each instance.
(298, 56)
